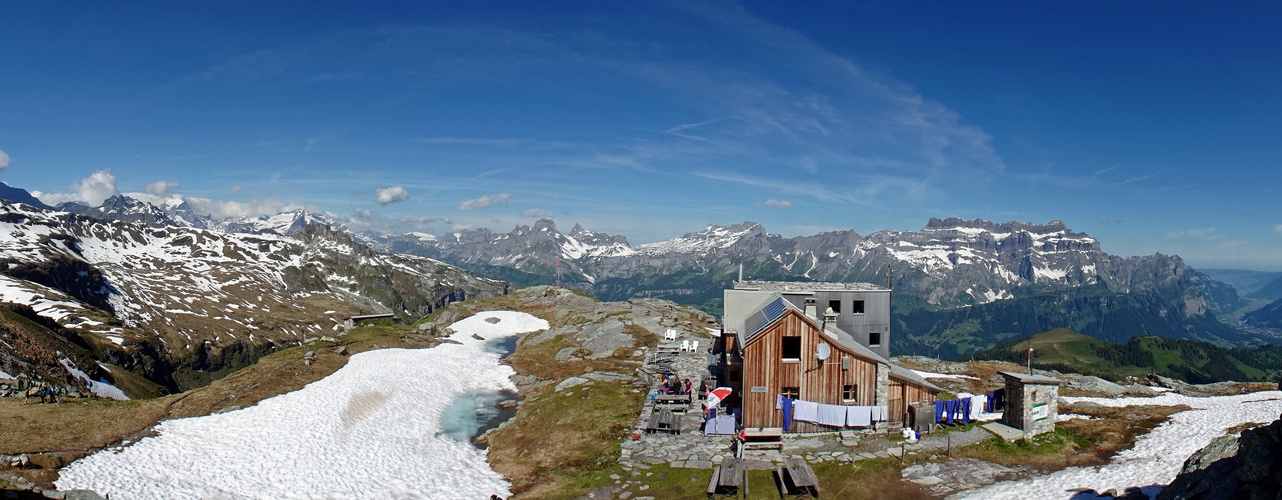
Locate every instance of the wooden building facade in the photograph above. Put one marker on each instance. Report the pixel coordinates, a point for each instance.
(770, 349)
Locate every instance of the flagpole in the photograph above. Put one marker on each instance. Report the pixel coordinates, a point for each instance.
(1030, 357)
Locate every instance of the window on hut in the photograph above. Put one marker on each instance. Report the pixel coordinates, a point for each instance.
(791, 392)
(835, 305)
(791, 348)
(874, 339)
(857, 307)
(849, 393)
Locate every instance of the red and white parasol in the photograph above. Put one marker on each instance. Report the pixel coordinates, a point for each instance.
(716, 395)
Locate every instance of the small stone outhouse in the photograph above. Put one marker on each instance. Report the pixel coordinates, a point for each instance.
(1031, 402)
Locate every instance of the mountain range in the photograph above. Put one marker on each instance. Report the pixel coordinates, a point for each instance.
(960, 285)
(177, 306)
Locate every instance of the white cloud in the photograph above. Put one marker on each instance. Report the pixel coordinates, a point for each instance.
(220, 209)
(160, 188)
(778, 203)
(4, 161)
(500, 200)
(92, 190)
(1278, 228)
(235, 188)
(461, 227)
(536, 212)
(394, 194)
(362, 212)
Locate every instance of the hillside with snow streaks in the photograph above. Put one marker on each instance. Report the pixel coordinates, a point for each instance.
(198, 292)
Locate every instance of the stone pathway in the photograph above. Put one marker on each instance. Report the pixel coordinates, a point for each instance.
(944, 478)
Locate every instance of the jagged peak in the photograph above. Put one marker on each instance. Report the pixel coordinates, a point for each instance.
(544, 224)
(1053, 226)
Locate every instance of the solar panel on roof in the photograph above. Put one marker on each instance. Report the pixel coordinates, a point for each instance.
(761, 319)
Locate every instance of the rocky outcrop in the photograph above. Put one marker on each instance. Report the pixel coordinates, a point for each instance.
(1247, 467)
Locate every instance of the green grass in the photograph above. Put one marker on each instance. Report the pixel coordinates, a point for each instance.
(664, 481)
(1192, 361)
(1022, 451)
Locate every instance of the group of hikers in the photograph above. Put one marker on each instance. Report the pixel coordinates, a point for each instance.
(46, 393)
(674, 385)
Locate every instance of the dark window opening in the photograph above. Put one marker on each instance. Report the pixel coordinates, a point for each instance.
(850, 392)
(791, 348)
(835, 305)
(857, 307)
(791, 392)
(874, 338)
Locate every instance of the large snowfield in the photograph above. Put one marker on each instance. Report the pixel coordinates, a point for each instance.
(370, 430)
(1156, 458)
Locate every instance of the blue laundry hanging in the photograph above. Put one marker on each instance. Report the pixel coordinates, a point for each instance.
(787, 413)
(939, 411)
(950, 409)
(965, 410)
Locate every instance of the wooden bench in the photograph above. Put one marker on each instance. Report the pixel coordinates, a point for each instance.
(762, 439)
(796, 478)
(727, 479)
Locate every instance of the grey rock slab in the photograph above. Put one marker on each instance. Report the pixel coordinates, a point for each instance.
(571, 382)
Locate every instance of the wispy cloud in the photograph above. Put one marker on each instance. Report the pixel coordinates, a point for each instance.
(418, 219)
(160, 188)
(486, 201)
(1278, 228)
(1200, 233)
(394, 194)
(473, 141)
(778, 203)
(4, 161)
(362, 212)
(536, 212)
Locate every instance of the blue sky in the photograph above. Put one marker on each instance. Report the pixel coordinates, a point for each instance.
(1150, 125)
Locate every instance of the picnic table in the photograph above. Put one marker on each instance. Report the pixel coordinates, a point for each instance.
(663, 421)
(679, 403)
(796, 478)
(727, 479)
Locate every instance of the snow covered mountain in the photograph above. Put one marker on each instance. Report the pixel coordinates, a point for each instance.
(122, 208)
(176, 305)
(1057, 276)
(286, 223)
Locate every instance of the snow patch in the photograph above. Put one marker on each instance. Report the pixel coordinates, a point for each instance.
(943, 375)
(1157, 457)
(370, 430)
(100, 388)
